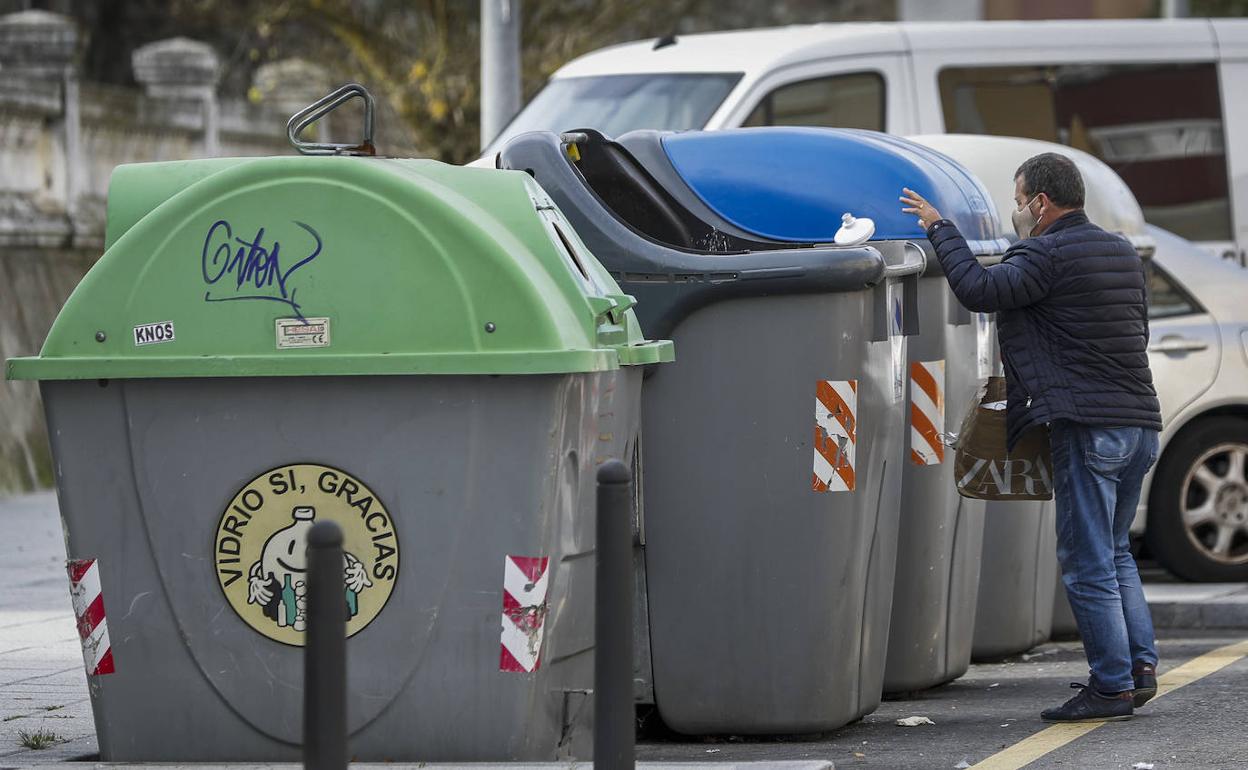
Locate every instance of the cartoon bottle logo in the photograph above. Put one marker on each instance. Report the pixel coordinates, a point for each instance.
(278, 581)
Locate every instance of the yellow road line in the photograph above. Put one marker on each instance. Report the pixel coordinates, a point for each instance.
(1052, 738)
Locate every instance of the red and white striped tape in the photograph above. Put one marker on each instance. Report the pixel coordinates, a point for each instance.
(927, 412)
(88, 600)
(525, 583)
(836, 435)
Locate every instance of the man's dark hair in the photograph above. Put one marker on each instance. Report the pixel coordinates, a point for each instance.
(1054, 175)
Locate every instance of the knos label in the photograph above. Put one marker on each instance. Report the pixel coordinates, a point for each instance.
(151, 334)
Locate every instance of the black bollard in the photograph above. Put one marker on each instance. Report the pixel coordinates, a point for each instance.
(614, 738)
(325, 654)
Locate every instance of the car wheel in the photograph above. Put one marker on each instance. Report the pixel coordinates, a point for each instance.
(1198, 504)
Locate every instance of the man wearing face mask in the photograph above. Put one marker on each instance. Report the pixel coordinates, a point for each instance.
(1073, 329)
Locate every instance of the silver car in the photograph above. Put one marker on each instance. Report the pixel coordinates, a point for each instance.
(1197, 496)
(1194, 508)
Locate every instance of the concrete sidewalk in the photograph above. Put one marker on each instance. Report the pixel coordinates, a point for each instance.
(43, 686)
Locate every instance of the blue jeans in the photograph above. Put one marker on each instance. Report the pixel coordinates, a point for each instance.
(1097, 473)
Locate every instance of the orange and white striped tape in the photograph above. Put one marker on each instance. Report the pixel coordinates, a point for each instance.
(927, 412)
(836, 434)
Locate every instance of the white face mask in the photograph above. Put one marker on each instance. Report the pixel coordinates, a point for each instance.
(1025, 221)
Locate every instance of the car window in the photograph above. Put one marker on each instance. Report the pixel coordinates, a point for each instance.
(1159, 126)
(1166, 299)
(853, 100)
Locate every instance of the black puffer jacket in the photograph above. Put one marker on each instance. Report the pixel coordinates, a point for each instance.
(1072, 320)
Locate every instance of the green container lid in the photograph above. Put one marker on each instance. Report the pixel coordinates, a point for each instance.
(300, 266)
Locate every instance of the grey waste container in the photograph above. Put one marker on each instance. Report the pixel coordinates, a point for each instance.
(940, 535)
(1017, 570)
(941, 532)
(1014, 606)
(1018, 574)
(768, 593)
(413, 350)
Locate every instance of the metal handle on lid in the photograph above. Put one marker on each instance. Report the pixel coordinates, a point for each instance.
(910, 289)
(906, 275)
(322, 107)
(910, 266)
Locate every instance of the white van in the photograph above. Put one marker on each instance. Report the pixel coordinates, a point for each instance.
(1155, 99)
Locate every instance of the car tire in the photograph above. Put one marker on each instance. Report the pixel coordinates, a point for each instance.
(1213, 498)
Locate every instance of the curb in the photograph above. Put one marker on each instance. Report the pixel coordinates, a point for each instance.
(1200, 615)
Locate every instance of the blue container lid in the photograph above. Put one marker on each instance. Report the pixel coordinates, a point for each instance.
(793, 184)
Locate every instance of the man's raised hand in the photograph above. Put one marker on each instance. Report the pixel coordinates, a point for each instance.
(916, 204)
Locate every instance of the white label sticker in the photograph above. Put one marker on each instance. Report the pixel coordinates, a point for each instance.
(151, 334)
(985, 344)
(302, 333)
(897, 340)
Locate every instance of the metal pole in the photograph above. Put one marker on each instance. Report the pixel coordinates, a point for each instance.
(325, 656)
(500, 66)
(940, 10)
(73, 143)
(613, 620)
(1175, 9)
(212, 123)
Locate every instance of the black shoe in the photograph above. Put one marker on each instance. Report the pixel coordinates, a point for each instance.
(1145, 684)
(1090, 706)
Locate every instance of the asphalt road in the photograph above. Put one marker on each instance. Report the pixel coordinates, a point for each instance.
(997, 705)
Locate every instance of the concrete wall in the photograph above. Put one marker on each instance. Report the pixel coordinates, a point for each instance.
(59, 142)
(1068, 9)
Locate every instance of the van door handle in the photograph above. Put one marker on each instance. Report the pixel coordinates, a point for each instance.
(1176, 344)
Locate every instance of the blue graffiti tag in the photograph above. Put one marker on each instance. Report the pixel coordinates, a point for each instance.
(250, 266)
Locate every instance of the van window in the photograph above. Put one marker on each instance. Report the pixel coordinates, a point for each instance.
(1159, 126)
(617, 104)
(842, 101)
